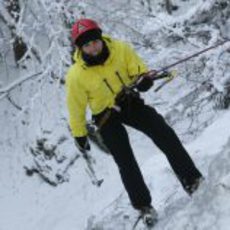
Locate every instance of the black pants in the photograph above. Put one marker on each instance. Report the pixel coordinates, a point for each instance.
(145, 119)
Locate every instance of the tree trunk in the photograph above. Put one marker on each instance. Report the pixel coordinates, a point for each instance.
(169, 6)
(19, 46)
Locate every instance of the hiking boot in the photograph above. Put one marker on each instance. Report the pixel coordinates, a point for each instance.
(191, 188)
(148, 215)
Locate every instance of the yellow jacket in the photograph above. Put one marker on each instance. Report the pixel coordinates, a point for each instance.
(97, 86)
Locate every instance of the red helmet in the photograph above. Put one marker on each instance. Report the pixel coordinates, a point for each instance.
(81, 26)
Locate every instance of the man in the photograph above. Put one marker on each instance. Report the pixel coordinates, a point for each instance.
(103, 69)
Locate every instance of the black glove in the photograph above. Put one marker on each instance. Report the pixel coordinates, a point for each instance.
(144, 83)
(82, 143)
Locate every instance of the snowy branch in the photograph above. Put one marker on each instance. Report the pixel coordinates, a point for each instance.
(4, 91)
(13, 103)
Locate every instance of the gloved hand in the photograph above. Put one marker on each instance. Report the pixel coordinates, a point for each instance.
(144, 83)
(82, 143)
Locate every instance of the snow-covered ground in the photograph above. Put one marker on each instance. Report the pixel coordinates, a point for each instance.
(31, 203)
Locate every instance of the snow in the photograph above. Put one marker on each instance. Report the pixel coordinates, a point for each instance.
(31, 203)
(214, 137)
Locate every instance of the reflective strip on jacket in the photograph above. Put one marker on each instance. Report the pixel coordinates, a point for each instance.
(97, 86)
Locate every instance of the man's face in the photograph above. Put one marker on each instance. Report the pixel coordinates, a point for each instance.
(93, 48)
